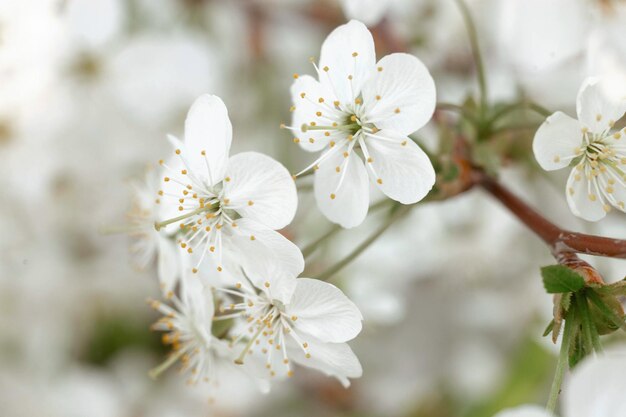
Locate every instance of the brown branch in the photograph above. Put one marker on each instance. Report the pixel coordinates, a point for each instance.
(564, 244)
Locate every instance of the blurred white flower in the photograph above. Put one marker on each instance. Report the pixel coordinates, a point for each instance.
(187, 326)
(525, 411)
(150, 245)
(360, 104)
(228, 207)
(595, 389)
(304, 320)
(369, 12)
(598, 151)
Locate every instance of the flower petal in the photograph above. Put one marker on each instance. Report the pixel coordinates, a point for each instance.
(347, 60)
(198, 299)
(208, 128)
(323, 310)
(333, 359)
(598, 105)
(267, 256)
(401, 168)
(583, 196)
(525, 411)
(596, 388)
(168, 264)
(260, 188)
(557, 141)
(401, 94)
(349, 206)
(305, 95)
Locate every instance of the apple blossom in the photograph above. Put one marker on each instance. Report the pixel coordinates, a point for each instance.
(362, 113)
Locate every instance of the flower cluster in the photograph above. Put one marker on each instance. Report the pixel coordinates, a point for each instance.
(231, 280)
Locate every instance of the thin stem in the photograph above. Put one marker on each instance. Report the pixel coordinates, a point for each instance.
(561, 365)
(311, 247)
(473, 38)
(327, 274)
(457, 109)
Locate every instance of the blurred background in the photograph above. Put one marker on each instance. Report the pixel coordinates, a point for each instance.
(452, 297)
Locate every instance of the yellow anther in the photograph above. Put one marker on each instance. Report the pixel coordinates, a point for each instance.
(166, 179)
(295, 76)
(203, 153)
(355, 54)
(266, 284)
(252, 237)
(370, 160)
(296, 140)
(219, 269)
(311, 140)
(336, 103)
(332, 143)
(557, 159)
(326, 68)
(227, 179)
(397, 110)
(250, 202)
(379, 181)
(321, 99)
(318, 114)
(332, 196)
(337, 169)
(380, 69)
(194, 270)
(177, 151)
(378, 97)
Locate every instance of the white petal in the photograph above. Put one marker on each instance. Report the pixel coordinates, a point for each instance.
(583, 196)
(305, 95)
(525, 411)
(369, 12)
(596, 388)
(267, 256)
(168, 264)
(351, 202)
(208, 128)
(333, 359)
(598, 105)
(400, 95)
(199, 301)
(323, 310)
(403, 172)
(260, 188)
(338, 55)
(557, 140)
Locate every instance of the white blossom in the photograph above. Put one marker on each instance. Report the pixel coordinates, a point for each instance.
(592, 146)
(306, 321)
(228, 208)
(187, 328)
(148, 244)
(362, 112)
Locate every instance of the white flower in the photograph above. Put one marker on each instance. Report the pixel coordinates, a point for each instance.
(369, 12)
(228, 208)
(362, 111)
(595, 389)
(525, 411)
(303, 320)
(187, 326)
(592, 145)
(149, 244)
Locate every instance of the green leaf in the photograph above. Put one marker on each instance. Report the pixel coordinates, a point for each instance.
(566, 301)
(549, 328)
(561, 279)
